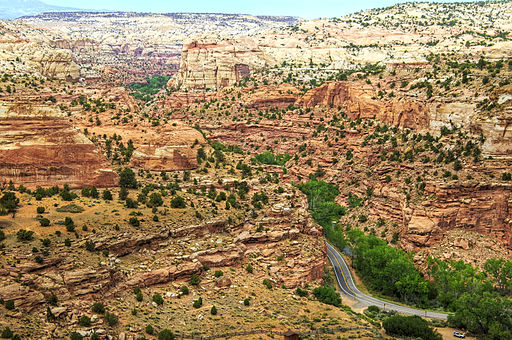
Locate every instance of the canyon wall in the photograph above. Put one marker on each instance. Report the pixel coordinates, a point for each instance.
(39, 148)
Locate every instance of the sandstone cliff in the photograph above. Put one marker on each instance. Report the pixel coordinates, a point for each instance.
(359, 101)
(217, 65)
(39, 148)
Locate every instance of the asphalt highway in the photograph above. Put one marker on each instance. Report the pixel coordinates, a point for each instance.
(347, 286)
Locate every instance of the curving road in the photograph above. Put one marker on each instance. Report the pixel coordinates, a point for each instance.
(347, 286)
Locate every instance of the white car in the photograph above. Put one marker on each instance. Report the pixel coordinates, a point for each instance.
(459, 335)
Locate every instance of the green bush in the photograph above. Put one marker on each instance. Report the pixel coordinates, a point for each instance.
(111, 319)
(90, 246)
(98, 308)
(247, 302)
(134, 221)
(195, 280)
(157, 298)
(249, 268)
(178, 202)
(44, 222)
(268, 157)
(410, 326)
(267, 283)
(327, 295)
(9, 304)
(218, 273)
(165, 334)
(131, 204)
(107, 195)
(84, 321)
(7, 333)
(25, 235)
(198, 303)
(213, 311)
(184, 290)
(40, 210)
(127, 179)
(150, 330)
(75, 336)
(155, 200)
(301, 292)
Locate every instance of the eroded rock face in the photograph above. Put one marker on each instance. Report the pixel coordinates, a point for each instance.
(56, 63)
(481, 208)
(360, 101)
(171, 150)
(217, 65)
(41, 149)
(280, 97)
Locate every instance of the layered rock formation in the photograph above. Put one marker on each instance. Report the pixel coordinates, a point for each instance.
(485, 209)
(39, 148)
(214, 66)
(359, 101)
(28, 50)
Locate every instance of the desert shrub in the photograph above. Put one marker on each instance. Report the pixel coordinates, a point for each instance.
(327, 295)
(107, 195)
(247, 302)
(127, 179)
(157, 298)
(134, 221)
(301, 292)
(218, 273)
(195, 280)
(7, 333)
(155, 200)
(9, 304)
(89, 245)
(165, 334)
(213, 311)
(123, 194)
(249, 268)
(44, 222)
(53, 300)
(150, 330)
(25, 235)
(131, 204)
(111, 319)
(267, 283)
(40, 210)
(178, 202)
(198, 303)
(410, 326)
(98, 308)
(84, 321)
(75, 336)
(184, 290)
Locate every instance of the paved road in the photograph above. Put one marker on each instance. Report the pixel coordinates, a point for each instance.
(347, 286)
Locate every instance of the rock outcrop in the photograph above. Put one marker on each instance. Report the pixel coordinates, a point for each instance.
(359, 101)
(213, 66)
(485, 209)
(170, 150)
(38, 148)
